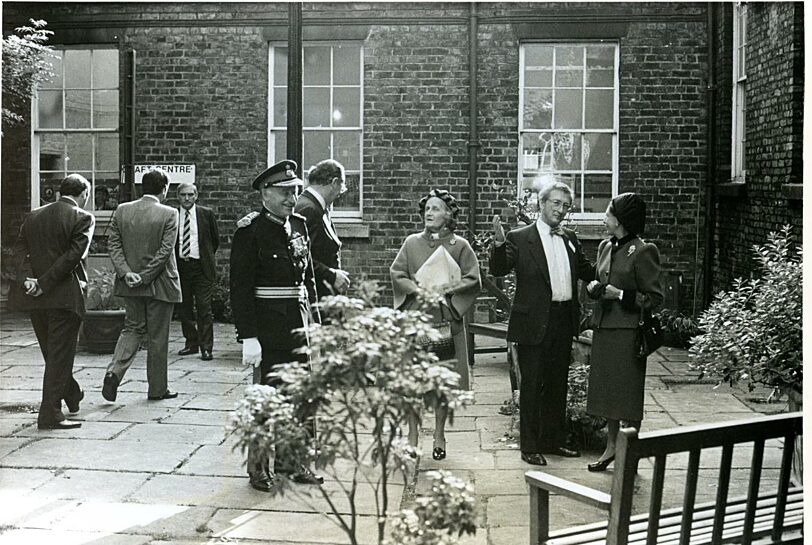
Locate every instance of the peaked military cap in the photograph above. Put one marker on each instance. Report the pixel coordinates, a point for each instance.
(282, 174)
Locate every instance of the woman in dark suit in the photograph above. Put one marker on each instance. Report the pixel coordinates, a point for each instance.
(627, 283)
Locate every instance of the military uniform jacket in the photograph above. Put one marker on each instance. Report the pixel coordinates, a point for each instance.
(266, 254)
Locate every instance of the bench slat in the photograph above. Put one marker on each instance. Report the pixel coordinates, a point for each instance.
(752, 490)
(563, 487)
(783, 484)
(656, 503)
(689, 498)
(723, 486)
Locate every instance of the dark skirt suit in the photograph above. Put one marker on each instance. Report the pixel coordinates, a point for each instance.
(616, 375)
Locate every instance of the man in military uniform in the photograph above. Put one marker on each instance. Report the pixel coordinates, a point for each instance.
(272, 288)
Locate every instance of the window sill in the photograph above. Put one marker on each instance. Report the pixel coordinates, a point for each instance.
(731, 189)
(793, 192)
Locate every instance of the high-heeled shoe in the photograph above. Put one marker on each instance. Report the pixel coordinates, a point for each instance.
(438, 453)
(600, 465)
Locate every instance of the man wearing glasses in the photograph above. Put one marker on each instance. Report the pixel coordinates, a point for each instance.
(544, 316)
(272, 289)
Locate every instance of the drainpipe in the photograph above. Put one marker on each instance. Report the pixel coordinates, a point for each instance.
(473, 138)
(711, 171)
(294, 137)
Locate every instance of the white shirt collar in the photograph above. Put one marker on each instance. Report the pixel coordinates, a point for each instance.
(71, 199)
(191, 211)
(153, 197)
(317, 196)
(542, 226)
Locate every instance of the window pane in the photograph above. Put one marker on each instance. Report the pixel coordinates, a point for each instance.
(280, 65)
(79, 152)
(347, 107)
(347, 149)
(351, 200)
(574, 181)
(105, 109)
(316, 108)
(538, 55)
(538, 78)
(107, 152)
(347, 65)
(598, 151)
(77, 109)
(536, 152)
(280, 145)
(55, 80)
(569, 57)
(569, 78)
(77, 68)
(568, 109)
(50, 109)
(280, 106)
(316, 69)
(316, 147)
(597, 192)
(52, 152)
(600, 66)
(567, 151)
(49, 186)
(538, 109)
(105, 69)
(105, 192)
(600, 109)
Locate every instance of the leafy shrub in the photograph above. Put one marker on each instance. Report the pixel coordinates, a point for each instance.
(753, 332)
(100, 291)
(679, 329)
(221, 302)
(583, 429)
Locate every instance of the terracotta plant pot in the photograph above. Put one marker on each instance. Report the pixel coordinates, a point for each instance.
(100, 331)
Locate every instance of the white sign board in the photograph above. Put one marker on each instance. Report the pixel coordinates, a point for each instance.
(178, 174)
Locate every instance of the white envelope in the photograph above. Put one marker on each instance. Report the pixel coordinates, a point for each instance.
(440, 268)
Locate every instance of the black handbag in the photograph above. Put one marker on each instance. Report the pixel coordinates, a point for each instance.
(443, 347)
(650, 334)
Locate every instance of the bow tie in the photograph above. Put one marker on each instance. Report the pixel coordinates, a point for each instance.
(557, 231)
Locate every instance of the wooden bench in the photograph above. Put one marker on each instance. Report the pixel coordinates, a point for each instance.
(496, 330)
(766, 517)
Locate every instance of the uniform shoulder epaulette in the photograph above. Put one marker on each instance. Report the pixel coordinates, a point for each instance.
(248, 219)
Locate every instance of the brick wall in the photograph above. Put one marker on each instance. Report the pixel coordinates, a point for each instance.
(774, 136)
(202, 93)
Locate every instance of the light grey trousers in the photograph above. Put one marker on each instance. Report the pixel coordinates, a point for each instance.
(150, 318)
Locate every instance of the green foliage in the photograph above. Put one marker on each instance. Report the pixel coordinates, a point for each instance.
(100, 291)
(679, 329)
(221, 302)
(26, 63)
(753, 333)
(447, 512)
(583, 429)
(367, 376)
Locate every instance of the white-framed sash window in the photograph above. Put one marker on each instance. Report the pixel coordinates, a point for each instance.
(738, 167)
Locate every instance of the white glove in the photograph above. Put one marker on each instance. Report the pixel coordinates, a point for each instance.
(251, 351)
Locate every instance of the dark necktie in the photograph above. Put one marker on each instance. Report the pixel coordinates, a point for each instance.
(187, 236)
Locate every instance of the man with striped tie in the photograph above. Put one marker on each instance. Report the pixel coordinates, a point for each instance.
(198, 239)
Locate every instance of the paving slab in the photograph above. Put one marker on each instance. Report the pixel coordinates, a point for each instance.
(83, 485)
(29, 536)
(113, 517)
(174, 433)
(89, 430)
(17, 481)
(215, 460)
(9, 445)
(153, 456)
(199, 417)
(139, 413)
(230, 524)
(11, 425)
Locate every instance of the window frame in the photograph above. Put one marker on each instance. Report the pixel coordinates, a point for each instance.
(738, 144)
(37, 131)
(580, 217)
(338, 215)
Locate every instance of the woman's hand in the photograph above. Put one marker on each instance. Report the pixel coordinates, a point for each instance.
(612, 292)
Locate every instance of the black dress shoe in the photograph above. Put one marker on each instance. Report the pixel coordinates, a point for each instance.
(187, 350)
(261, 482)
(563, 451)
(205, 355)
(536, 458)
(601, 465)
(63, 425)
(303, 476)
(167, 395)
(110, 388)
(73, 404)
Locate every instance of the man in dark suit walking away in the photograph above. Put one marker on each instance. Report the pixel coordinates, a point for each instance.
(198, 239)
(50, 253)
(142, 247)
(326, 182)
(544, 316)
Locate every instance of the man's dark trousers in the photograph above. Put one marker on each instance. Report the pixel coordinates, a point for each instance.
(544, 371)
(56, 331)
(197, 291)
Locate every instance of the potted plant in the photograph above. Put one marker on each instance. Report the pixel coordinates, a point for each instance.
(753, 333)
(367, 376)
(104, 314)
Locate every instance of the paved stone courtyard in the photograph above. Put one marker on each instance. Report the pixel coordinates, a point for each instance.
(163, 473)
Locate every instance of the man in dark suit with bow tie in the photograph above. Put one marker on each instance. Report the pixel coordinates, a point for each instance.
(198, 239)
(50, 253)
(544, 316)
(326, 182)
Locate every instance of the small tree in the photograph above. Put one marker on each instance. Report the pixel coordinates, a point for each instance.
(26, 64)
(368, 376)
(753, 333)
